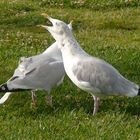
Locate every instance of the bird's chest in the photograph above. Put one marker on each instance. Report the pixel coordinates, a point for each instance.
(69, 64)
(70, 60)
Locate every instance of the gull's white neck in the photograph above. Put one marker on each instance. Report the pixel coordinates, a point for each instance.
(70, 47)
(71, 53)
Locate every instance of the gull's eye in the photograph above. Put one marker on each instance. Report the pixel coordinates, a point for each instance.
(57, 24)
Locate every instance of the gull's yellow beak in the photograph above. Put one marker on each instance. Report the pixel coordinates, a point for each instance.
(45, 15)
(42, 26)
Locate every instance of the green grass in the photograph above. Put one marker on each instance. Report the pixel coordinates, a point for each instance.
(104, 28)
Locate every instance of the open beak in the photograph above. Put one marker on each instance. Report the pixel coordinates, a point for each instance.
(44, 26)
(49, 18)
(46, 15)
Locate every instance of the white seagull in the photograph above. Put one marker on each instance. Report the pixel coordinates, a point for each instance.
(89, 73)
(39, 72)
(42, 72)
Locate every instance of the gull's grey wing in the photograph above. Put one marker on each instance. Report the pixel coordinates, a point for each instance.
(52, 74)
(25, 66)
(102, 77)
(28, 65)
(42, 75)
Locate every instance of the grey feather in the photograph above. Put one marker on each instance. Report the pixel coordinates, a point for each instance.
(37, 74)
(102, 76)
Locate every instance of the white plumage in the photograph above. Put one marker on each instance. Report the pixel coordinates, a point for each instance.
(42, 72)
(89, 73)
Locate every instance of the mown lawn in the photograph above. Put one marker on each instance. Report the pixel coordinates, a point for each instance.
(104, 28)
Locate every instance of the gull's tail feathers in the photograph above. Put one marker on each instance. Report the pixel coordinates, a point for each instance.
(4, 88)
(5, 97)
(139, 92)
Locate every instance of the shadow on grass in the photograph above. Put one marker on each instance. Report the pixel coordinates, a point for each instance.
(20, 105)
(128, 105)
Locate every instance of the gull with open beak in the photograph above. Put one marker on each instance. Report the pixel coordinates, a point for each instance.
(89, 73)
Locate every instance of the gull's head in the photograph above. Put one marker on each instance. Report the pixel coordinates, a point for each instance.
(58, 29)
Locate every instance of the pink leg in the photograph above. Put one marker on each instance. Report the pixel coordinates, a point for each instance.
(49, 99)
(96, 104)
(33, 104)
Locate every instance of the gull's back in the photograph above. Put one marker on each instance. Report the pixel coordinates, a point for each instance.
(42, 71)
(99, 76)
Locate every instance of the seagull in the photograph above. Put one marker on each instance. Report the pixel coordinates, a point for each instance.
(43, 71)
(89, 73)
